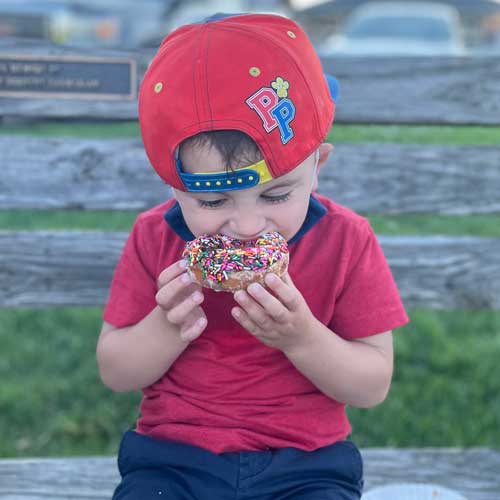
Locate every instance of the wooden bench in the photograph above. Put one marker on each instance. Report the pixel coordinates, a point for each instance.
(40, 268)
(472, 472)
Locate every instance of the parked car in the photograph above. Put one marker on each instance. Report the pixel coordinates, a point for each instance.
(195, 10)
(398, 28)
(108, 23)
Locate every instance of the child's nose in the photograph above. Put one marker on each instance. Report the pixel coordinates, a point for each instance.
(248, 224)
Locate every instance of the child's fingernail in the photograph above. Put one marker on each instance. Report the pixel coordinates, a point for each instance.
(270, 279)
(255, 288)
(183, 264)
(202, 322)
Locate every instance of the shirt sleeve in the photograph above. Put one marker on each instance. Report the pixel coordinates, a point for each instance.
(133, 287)
(369, 302)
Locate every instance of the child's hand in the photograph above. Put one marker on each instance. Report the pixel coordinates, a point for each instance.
(180, 298)
(281, 319)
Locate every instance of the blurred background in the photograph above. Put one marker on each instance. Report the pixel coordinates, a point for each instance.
(446, 385)
(350, 27)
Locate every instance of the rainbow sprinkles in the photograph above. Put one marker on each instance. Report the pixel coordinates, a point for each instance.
(219, 256)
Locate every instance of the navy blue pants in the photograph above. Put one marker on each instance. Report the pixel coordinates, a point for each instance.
(158, 469)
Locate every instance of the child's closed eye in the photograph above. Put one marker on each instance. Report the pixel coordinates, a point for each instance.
(211, 203)
(278, 198)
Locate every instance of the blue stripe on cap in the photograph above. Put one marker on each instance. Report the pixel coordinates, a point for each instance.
(242, 178)
(333, 85)
(220, 15)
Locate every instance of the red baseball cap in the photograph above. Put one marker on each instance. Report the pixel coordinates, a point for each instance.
(256, 73)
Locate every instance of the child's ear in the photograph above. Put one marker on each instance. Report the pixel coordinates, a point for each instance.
(324, 153)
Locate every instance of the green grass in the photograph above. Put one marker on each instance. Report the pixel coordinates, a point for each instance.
(430, 134)
(51, 399)
(31, 220)
(74, 129)
(474, 225)
(477, 225)
(418, 134)
(445, 387)
(444, 393)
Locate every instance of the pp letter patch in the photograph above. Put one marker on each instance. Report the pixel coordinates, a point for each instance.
(274, 108)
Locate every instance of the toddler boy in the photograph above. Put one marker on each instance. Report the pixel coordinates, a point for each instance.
(245, 393)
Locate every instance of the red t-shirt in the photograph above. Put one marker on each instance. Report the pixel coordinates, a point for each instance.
(229, 392)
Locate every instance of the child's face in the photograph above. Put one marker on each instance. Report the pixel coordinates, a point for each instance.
(278, 205)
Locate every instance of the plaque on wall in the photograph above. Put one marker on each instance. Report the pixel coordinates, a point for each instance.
(68, 77)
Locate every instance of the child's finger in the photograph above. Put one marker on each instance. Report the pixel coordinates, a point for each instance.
(285, 290)
(244, 320)
(194, 328)
(175, 290)
(180, 312)
(253, 309)
(170, 272)
(272, 305)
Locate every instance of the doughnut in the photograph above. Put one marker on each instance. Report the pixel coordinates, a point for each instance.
(227, 264)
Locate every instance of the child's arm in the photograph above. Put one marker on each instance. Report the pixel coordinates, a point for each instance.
(357, 372)
(136, 356)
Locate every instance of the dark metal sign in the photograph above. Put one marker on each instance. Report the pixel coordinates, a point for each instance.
(69, 77)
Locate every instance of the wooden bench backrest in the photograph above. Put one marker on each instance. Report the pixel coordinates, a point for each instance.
(46, 268)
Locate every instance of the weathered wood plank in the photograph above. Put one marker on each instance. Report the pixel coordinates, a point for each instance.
(43, 268)
(48, 268)
(440, 272)
(69, 173)
(114, 174)
(417, 89)
(472, 472)
(385, 90)
(404, 179)
(88, 478)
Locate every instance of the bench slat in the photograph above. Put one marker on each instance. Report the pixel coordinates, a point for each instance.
(421, 89)
(472, 472)
(48, 268)
(417, 90)
(114, 174)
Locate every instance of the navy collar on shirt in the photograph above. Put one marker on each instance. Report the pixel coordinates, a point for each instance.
(176, 221)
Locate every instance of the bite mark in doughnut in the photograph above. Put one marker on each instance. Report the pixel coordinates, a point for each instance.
(226, 264)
